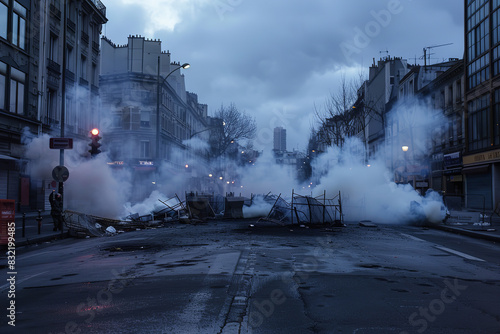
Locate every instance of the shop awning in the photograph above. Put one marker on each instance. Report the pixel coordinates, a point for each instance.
(482, 169)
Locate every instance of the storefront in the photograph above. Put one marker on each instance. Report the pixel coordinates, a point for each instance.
(482, 177)
(9, 178)
(452, 174)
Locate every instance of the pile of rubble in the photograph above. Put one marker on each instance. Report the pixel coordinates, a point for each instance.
(200, 207)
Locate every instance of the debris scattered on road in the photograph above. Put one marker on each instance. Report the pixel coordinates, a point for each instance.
(367, 223)
(111, 230)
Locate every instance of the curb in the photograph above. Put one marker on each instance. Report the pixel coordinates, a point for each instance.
(42, 238)
(469, 233)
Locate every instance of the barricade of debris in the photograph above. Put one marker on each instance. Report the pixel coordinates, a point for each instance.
(305, 210)
(202, 206)
(199, 207)
(83, 225)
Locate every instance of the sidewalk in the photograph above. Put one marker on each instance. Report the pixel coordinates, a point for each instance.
(31, 235)
(486, 232)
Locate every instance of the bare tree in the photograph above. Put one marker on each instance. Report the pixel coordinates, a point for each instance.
(346, 113)
(337, 119)
(235, 126)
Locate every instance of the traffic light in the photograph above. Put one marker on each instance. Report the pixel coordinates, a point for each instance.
(94, 144)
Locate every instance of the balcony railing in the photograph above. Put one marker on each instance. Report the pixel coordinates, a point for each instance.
(100, 6)
(71, 24)
(70, 75)
(52, 65)
(83, 82)
(85, 37)
(95, 46)
(55, 11)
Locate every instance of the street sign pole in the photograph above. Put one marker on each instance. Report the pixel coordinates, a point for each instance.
(63, 91)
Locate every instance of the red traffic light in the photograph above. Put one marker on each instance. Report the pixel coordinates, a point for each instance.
(94, 132)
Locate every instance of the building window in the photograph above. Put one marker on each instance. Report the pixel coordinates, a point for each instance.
(3, 84)
(95, 75)
(83, 70)
(51, 106)
(4, 15)
(117, 121)
(85, 23)
(70, 113)
(496, 61)
(53, 47)
(17, 81)
(19, 25)
(477, 71)
(95, 33)
(478, 43)
(449, 99)
(495, 20)
(496, 116)
(70, 59)
(145, 119)
(458, 91)
(478, 128)
(144, 149)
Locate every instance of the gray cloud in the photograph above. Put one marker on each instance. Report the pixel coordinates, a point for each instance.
(277, 59)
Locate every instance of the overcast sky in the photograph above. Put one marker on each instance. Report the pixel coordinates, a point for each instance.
(278, 59)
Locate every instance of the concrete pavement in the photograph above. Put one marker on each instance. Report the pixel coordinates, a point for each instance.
(491, 232)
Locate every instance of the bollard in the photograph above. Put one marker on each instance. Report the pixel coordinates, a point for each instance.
(24, 224)
(39, 220)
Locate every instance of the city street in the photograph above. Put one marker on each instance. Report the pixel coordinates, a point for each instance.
(257, 277)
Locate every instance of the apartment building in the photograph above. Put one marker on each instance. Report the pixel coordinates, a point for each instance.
(149, 114)
(49, 65)
(481, 160)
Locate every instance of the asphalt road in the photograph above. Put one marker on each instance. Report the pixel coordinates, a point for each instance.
(230, 277)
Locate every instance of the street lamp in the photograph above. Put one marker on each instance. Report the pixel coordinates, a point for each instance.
(405, 149)
(158, 90)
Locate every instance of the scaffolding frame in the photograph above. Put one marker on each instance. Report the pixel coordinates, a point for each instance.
(307, 210)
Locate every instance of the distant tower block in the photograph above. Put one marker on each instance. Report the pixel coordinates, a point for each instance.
(279, 139)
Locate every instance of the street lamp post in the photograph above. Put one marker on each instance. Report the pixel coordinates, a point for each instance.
(158, 96)
(405, 149)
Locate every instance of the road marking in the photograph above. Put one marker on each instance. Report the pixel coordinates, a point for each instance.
(411, 237)
(21, 280)
(466, 256)
(24, 257)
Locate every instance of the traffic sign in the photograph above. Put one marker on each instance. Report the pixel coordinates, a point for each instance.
(60, 173)
(61, 143)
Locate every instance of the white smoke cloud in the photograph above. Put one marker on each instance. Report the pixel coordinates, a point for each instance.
(259, 208)
(92, 187)
(367, 191)
(267, 176)
(197, 144)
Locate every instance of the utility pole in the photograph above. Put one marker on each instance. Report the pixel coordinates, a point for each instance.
(63, 93)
